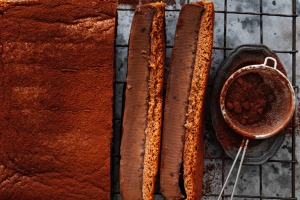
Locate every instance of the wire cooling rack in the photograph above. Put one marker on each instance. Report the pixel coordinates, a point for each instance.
(276, 179)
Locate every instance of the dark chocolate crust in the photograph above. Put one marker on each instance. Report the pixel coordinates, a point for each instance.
(56, 90)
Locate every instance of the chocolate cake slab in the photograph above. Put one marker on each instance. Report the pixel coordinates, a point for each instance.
(56, 91)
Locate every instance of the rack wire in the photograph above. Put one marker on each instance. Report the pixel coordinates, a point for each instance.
(222, 158)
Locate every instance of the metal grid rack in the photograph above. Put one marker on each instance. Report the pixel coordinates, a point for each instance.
(222, 158)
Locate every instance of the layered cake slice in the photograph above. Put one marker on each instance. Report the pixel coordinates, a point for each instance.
(142, 119)
(183, 129)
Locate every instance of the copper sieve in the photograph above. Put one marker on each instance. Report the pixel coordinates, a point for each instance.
(282, 106)
(274, 120)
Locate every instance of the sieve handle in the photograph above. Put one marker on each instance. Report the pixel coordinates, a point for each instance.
(270, 58)
(243, 147)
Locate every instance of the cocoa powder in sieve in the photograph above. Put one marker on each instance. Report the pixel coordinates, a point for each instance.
(248, 98)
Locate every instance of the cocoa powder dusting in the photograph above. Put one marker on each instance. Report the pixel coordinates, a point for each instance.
(56, 98)
(249, 98)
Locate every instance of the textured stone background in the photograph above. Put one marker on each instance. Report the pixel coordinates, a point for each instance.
(240, 29)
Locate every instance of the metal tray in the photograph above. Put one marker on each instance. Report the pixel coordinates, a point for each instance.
(259, 151)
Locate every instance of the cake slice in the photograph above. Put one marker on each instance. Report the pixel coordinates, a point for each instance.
(56, 91)
(142, 119)
(183, 129)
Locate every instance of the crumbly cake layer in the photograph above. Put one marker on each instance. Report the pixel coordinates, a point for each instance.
(155, 102)
(56, 91)
(140, 145)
